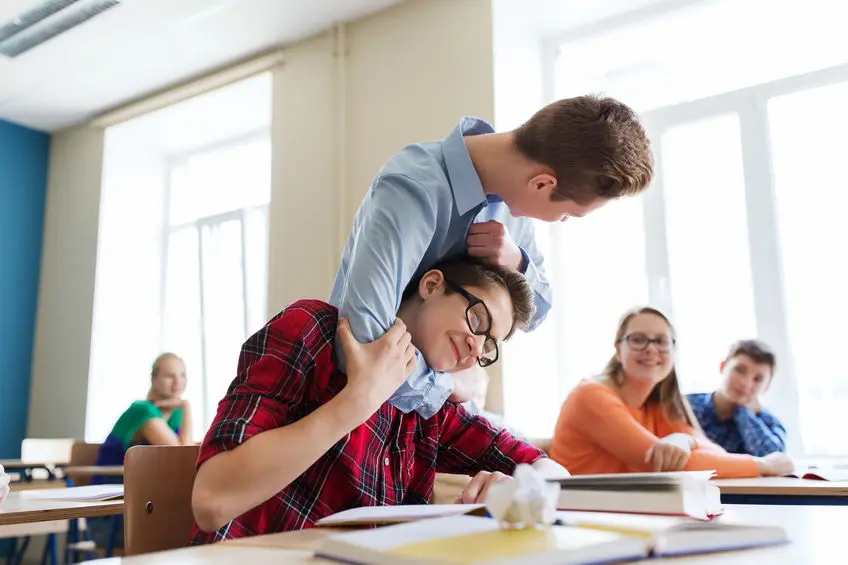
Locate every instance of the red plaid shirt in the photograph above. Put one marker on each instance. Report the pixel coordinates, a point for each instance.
(287, 370)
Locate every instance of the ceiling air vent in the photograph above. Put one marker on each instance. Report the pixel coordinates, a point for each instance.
(45, 21)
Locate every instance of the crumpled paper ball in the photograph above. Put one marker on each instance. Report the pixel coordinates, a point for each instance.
(527, 502)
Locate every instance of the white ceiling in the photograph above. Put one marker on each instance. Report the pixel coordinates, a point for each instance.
(143, 46)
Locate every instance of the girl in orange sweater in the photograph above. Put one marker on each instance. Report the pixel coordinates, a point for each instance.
(633, 417)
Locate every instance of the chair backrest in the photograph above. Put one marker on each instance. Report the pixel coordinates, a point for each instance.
(158, 481)
(39, 450)
(83, 455)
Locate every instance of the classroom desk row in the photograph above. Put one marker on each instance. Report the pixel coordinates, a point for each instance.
(815, 530)
(815, 533)
(26, 507)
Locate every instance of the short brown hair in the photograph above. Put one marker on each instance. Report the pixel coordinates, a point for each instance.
(757, 350)
(469, 272)
(596, 146)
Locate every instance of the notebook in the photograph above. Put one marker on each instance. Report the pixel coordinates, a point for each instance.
(684, 493)
(672, 535)
(472, 540)
(371, 515)
(90, 493)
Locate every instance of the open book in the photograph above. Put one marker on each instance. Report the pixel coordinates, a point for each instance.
(590, 539)
(672, 535)
(470, 540)
(91, 493)
(684, 493)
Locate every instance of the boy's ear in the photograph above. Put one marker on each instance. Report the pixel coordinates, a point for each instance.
(543, 182)
(721, 366)
(431, 284)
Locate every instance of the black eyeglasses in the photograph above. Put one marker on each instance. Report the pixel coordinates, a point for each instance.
(640, 342)
(479, 321)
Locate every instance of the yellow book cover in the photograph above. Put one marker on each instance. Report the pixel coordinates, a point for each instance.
(470, 540)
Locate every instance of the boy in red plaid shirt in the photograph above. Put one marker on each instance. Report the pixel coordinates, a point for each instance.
(295, 440)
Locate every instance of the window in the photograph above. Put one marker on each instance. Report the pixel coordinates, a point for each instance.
(739, 235)
(807, 144)
(216, 264)
(706, 244)
(701, 50)
(182, 242)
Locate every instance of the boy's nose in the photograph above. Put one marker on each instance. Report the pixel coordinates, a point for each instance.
(475, 344)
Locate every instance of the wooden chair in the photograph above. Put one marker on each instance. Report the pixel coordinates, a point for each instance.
(158, 481)
(82, 455)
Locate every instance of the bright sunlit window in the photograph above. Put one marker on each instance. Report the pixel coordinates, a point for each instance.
(707, 244)
(216, 267)
(811, 204)
(739, 235)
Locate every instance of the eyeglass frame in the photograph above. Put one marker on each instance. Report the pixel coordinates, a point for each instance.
(472, 302)
(649, 341)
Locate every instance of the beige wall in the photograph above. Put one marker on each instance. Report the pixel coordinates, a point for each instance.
(343, 102)
(303, 219)
(66, 293)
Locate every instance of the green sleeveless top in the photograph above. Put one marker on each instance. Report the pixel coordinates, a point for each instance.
(137, 415)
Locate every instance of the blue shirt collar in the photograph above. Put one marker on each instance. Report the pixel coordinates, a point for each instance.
(465, 184)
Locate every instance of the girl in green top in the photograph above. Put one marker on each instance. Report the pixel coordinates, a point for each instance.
(164, 418)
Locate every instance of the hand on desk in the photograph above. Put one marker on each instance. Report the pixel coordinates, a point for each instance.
(671, 453)
(774, 464)
(4, 484)
(477, 488)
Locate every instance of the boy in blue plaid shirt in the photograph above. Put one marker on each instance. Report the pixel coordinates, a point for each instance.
(732, 416)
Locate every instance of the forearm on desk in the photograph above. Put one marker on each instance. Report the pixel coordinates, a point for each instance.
(232, 482)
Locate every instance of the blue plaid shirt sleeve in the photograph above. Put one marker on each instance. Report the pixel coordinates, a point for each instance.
(761, 433)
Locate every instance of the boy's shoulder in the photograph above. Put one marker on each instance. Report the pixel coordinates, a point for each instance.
(307, 319)
(702, 404)
(418, 167)
(142, 409)
(699, 399)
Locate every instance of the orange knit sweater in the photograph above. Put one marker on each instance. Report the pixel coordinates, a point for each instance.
(597, 433)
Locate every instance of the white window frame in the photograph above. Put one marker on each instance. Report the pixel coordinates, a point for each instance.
(173, 162)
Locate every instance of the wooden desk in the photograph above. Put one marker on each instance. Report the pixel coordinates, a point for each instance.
(24, 469)
(782, 490)
(19, 465)
(815, 532)
(91, 470)
(20, 508)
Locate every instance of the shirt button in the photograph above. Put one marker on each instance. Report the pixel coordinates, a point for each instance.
(386, 461)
